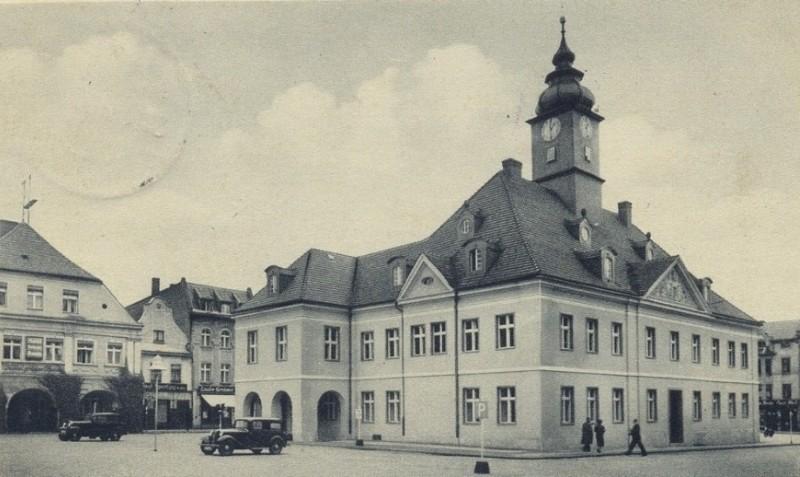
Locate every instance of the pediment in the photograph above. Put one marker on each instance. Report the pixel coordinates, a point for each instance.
(675, 286)
(424, 281)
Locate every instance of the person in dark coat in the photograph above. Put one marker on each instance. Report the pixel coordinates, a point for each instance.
(636, 439)
(586, 435)
(599, 432)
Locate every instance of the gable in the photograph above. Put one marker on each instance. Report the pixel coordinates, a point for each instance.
(424, 281)
(676, 287)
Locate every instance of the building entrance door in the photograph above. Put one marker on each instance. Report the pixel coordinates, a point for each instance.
(675, 417)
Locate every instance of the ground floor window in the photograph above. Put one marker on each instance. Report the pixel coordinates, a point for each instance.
(618, 405)
(393, 407)
(12, 347)
(591, 404)
(368, 406)
(697, 406)
(329, 408)
(745, 405)
(472, 397)
(85, 353)
(731, 404)
(715, 405)
(506, 405)
(652, 405)
(567, 405)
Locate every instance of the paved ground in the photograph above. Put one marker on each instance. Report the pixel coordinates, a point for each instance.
(178, 455)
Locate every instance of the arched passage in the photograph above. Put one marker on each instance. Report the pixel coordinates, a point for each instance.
(31, 410)
(98, 401)
(282, 408)
(252, 405)
(329, 416)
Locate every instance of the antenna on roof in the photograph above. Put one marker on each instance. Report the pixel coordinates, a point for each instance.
(27, 202)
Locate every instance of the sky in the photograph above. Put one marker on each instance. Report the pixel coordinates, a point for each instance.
(209, 141)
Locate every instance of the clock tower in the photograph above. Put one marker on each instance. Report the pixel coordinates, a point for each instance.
(565, 142)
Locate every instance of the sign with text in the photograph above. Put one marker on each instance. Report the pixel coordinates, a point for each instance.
(483, 409)
(34, 348)
(216, 389)
(165, 387)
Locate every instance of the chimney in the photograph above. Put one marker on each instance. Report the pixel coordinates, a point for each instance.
(155, 286)
(249, 293)
(705, 286)
(625, 214)
(512, 168)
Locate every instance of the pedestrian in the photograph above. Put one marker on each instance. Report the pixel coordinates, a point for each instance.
(636, 439)
(599, 432)
(586, 435)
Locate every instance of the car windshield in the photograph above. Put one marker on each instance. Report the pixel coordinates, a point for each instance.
(240, 424)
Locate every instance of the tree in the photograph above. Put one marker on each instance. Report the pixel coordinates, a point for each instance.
(2, 409)
(66, 391)
(129, 389)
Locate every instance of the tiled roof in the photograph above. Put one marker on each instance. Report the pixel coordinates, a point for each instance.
(523, 226)
(210, 292)
(782, 330)
(22, 249)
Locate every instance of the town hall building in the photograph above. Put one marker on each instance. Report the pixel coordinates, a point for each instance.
(530, 297)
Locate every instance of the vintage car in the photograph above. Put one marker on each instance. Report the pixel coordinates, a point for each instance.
(253, 433)
(105, 425)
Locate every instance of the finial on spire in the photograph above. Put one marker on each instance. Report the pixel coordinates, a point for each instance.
(563, 20)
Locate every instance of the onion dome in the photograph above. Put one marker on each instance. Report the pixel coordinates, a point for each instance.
(564, 88)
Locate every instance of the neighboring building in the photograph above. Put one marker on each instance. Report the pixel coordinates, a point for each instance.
(779, 374)
(56, 317)
(189, 325)
(530, 298)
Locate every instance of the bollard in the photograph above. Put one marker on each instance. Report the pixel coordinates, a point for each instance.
(482, 467)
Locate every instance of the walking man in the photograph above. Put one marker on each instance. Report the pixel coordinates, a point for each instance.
(599, 433)
(636, 439)
(586, 435)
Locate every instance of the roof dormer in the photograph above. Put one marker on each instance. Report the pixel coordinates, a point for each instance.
(399, 267)
(580, 229)
(480, 255)
(646, 249)
(469, 223)
(601, 262)
(278, 279)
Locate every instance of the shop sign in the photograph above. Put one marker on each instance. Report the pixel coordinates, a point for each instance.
(165, 387)
(216, 389)
(34, 348)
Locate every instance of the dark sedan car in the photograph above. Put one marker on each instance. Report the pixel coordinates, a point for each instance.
(105, 425)
(253, 433)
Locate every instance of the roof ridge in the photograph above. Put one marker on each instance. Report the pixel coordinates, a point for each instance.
(516, 224)
(305, 273)
(215, 286)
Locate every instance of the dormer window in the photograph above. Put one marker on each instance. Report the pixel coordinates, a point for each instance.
(585, 235)
(608, 266)
(272, 284)
(476, 260)
(649, 252)
(398, 275)
(466, 226)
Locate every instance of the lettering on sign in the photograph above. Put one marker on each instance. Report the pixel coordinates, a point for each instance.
(483, 410)
(34, 348)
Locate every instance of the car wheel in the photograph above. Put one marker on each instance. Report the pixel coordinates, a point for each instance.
(225, 449)
(75, 437)
(115, 436)
(256, 450)
(62, 437)
(207, 451)
(275, 447)
(105, 437)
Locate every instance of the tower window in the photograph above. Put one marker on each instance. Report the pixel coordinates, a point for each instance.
(587, 153)
(551, 154)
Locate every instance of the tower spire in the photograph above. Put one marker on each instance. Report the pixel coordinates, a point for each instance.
(564, 57)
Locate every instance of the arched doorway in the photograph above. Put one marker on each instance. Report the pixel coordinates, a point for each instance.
(98, 401)
(329, 416)
(282, 408)
(252, 405)
(31, 410)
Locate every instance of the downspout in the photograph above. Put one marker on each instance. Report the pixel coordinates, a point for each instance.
(625, 350)
(350, 371)
(402, 370)
(455, 335)
(638, 377)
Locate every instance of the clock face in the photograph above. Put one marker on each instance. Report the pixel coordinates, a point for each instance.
(586, 127)
(550, 129)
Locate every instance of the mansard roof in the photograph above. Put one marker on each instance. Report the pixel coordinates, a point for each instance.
(22, 249)
(523, 226)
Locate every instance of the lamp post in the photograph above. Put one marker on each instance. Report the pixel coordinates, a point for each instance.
(157, 364)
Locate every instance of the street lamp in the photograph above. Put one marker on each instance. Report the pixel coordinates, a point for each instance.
(157, 364)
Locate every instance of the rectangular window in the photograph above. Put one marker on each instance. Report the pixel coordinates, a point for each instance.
(745, 358)
(155, 375)
(35, 298)
(475, 260)
(697, 406)
(566, 332)
(674, 346)
(652, 405)
(592, 407)
(696, 348)
(438, 337)
(506, 405)
(471, 398)
(731, 404)
(85, 352)
(368, 406)
(367, 345)
(591, 335)
(768, 366)
(715, 351)
(567, 405)
(617, 405)
(787, 391)
(393, 407)
(225, 308)
(417, 340)
(205, 372)
(650, 342)
(114, 354)
(616, 339)
(505, 331)
(768, 392)
(392, 343)
(786, 365)
(331, 343)
(281, 343)
(252, 347)
(54, 350)
(175, 373)
(69, 302)
(225, 373)
(731, 354)
(715, 406)
(470, 339)
(158, 336)
(745, 405)
(12, 347)
(3, 292)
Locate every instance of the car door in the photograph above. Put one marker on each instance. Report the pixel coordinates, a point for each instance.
(258, 434)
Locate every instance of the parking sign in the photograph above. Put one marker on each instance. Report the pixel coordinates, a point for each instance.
(483, 410)
(358, 413)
